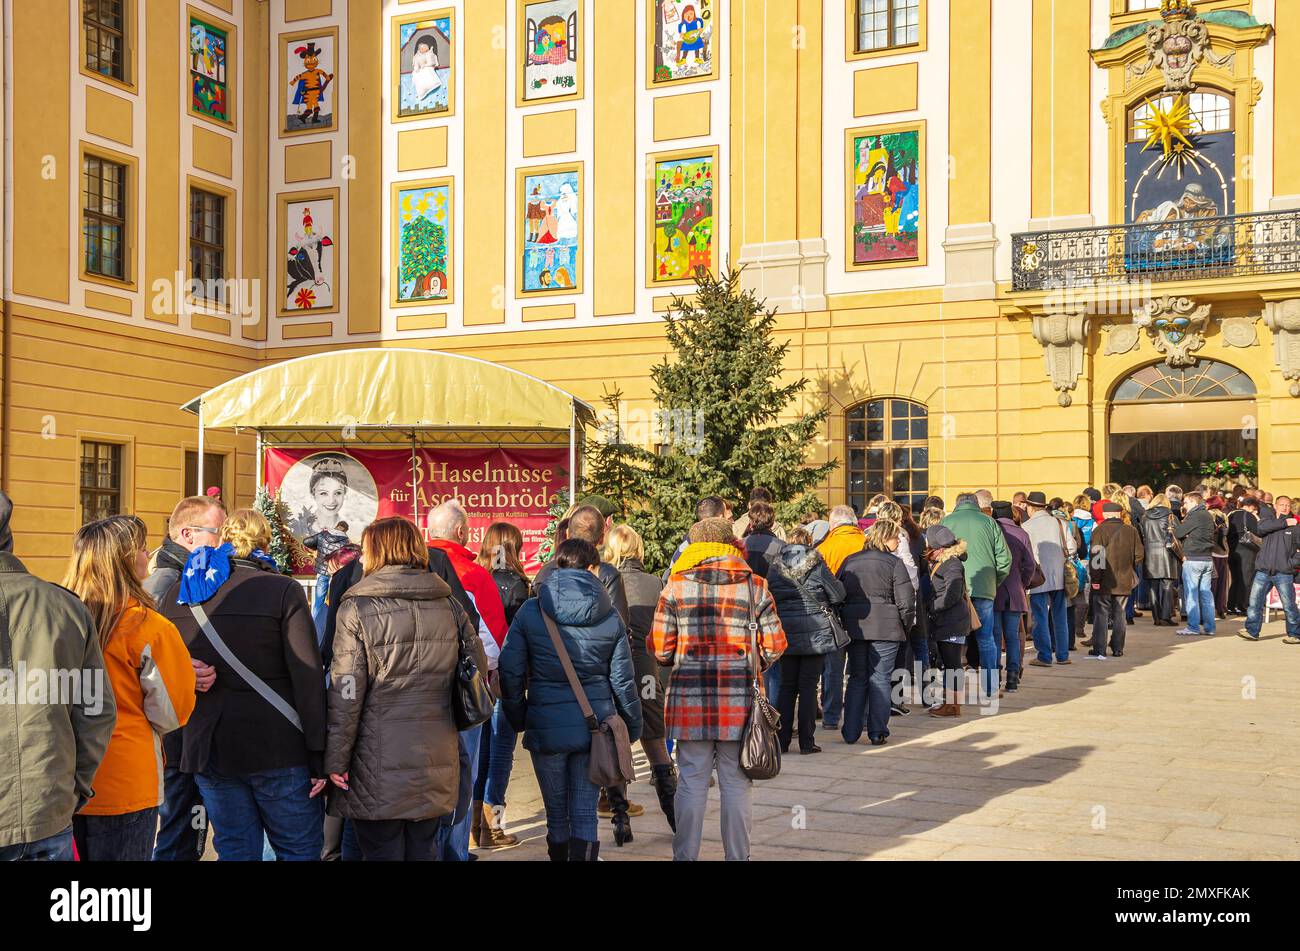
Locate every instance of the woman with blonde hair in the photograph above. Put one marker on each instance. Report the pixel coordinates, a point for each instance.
(879, 610)
(625, 550)
(501, 553)
(152, 679)
(256, 740)
(393, 752)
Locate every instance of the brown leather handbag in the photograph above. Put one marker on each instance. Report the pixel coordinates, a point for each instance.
(760, 746)
(611, 747)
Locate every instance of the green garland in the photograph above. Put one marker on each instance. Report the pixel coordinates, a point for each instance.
(286, 551)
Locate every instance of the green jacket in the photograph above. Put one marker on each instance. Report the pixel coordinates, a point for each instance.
(56, 705)
(988, 559)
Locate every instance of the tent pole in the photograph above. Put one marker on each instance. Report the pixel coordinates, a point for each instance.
(200, 488)
(258, 486)
(573, 453)
(415, 489)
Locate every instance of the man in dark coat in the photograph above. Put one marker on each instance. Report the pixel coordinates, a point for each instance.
(1243, 526)
(1117, 552)
(1196, 532)
(1275, 567)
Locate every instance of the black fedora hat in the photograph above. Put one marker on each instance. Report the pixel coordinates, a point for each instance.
(1037, 499)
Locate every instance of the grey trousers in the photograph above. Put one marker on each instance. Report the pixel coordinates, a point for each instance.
(695, 762)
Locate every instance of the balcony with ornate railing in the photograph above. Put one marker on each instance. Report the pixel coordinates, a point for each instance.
(1182, 249)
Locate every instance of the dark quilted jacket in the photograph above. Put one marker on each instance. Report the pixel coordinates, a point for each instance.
(802, 587)
(535, 694)
(390, 725)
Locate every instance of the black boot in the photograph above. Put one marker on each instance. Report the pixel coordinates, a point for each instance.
(558, 851)
(622, 824)
(664, 780)
(581, 850)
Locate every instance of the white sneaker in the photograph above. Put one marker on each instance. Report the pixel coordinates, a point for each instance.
(1186, 632)
(1098, 657)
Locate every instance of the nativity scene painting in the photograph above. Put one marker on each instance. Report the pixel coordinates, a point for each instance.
(886, 215)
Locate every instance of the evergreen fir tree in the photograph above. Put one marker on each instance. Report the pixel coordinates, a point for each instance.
(556, 512)
(616, 469)
(287, 552)
(721, 399)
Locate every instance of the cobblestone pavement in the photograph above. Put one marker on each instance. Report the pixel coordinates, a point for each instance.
(1185, 748)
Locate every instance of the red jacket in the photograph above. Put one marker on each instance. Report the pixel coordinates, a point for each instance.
(480, 586)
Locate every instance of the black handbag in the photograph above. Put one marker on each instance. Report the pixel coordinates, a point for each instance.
(838, 633)
(760, 747)
(471, 697)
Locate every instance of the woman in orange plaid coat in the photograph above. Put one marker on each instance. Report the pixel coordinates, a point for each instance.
(701, 628)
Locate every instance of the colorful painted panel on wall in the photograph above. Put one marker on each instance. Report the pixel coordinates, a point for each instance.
(208, 91)
(424, 237)
(551, 230)
(551, 35)
(310, 254)
(310, 64)
(682, 40)
(886, 197)
(683, 217)
(425, 59)
(1180, 165)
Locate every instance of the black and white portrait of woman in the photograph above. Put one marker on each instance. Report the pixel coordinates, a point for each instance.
(330, 492)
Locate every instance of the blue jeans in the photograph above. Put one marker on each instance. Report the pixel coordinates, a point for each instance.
(1051, 626)
(1198, 595)
(271, 805)
(1259, 589)
(1006, 624)
(833, 688)
(56, 848)
(871, 669)
(569, 796)
(496, 758)
(987, 640)
(319, 610)
(772, 681)
(183, 825)
(453, 830)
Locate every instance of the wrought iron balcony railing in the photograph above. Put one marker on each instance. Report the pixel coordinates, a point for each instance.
(1180, 249)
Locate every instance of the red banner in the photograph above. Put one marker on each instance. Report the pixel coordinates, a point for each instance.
(346, 490)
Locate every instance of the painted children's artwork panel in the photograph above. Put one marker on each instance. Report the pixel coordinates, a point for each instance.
(425, 59)
(208, 87)
(886, 197)
(683, 217)
(310, 254)
(551, 36)
(424, 237)
(311, 75)
(682, 38)
(552, 230)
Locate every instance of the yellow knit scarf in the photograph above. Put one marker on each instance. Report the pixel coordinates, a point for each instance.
(697, 552)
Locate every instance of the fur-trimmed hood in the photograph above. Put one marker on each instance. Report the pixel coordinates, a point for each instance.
(952, 551)
(797, 561)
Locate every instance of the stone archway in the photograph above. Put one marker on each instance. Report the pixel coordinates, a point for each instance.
(1160, 415)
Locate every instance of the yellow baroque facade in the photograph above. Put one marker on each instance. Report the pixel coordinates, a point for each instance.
(986, 258)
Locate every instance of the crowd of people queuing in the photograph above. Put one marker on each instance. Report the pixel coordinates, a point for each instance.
(226, 703)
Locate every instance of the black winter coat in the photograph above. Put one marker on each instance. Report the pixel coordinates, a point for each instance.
(879, 600)
(949, 616)
(1160, 560)
(1281, 542)
(514, 590)
(1196, 532)
(803, 611)
(761, 549)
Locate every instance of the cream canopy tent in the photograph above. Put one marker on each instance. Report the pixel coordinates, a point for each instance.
(378, 395)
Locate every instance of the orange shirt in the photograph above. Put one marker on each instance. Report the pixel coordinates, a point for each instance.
(149, 669)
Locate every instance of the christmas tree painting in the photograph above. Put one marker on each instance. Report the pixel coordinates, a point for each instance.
(423, 268)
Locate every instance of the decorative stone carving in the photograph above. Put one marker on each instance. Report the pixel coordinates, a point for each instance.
(1122, 338)
(1176, 326)
(1238, 332)
(1283, 318)
(1177, 45)
(1063, 335)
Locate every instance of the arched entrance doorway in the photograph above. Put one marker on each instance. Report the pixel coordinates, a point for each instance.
(1166, 421)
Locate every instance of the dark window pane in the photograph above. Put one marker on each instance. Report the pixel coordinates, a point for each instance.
(876, 459)
(876, 409)
(920, 428)
(898, 429)
(902, 481)
(900, 458)
(857, 429)
(875, 482)
(875, 430)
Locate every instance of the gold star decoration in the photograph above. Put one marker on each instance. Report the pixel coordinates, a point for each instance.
(1169, 128)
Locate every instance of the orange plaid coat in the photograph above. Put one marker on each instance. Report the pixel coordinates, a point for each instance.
(701, 627)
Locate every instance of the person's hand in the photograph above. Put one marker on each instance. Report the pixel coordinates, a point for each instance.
(1292, 522)
(205, 675)
(340, 781)
(316, 786)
